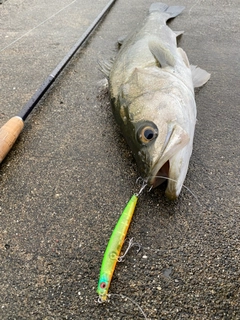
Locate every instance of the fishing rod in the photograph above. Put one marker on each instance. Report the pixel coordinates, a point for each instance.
(10, 131)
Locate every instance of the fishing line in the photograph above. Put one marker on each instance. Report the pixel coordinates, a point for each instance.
(197, 2)
(144, 184)
(182, 185)
(40, 24)
(131, 300)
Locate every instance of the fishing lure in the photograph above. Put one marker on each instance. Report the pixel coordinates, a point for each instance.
(112, 252)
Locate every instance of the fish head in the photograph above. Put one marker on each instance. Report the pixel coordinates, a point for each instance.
(152, 128)
(103, 287)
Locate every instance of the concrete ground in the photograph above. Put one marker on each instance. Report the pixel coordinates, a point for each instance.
(70, 174)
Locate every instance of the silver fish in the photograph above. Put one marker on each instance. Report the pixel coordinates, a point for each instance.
(151, 84)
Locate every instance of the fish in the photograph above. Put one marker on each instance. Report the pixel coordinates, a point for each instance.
(151, 87)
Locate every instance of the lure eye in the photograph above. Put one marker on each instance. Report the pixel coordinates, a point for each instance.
(147, 134)
(103, 285)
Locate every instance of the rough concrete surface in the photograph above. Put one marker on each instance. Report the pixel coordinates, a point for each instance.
(70, 173)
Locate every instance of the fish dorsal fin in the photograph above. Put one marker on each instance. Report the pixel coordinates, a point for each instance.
(184, 56)
(199, 76)
(162, 54)
(178, 33)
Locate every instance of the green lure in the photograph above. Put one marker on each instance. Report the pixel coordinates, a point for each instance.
(114, 247)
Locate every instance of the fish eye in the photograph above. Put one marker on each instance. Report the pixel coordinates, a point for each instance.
(147, 134)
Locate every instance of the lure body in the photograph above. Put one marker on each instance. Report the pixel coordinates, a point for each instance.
(114, 247)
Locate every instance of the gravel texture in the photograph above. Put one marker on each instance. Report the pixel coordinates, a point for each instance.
(70, 174)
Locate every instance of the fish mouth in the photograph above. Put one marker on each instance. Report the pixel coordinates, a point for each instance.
(161, 175)
(176, 139)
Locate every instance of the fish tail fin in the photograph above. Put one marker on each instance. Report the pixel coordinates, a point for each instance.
(199, 76)
(172, 11)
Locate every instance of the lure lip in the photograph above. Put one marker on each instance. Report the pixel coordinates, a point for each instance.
(102, 298)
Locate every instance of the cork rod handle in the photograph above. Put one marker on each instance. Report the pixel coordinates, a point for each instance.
(9, 133)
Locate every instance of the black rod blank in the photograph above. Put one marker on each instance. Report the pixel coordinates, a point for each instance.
(26, 110)
(10, 131)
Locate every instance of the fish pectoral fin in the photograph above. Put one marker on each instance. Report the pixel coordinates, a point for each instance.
(162, 54)
(176, 139)
(184, 56)
(178, 33)
(199, 76)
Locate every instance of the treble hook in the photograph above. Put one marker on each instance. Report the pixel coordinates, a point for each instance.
(130, 245)
(144, 184)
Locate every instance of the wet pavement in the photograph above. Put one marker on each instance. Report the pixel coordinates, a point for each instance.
(70, 174)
